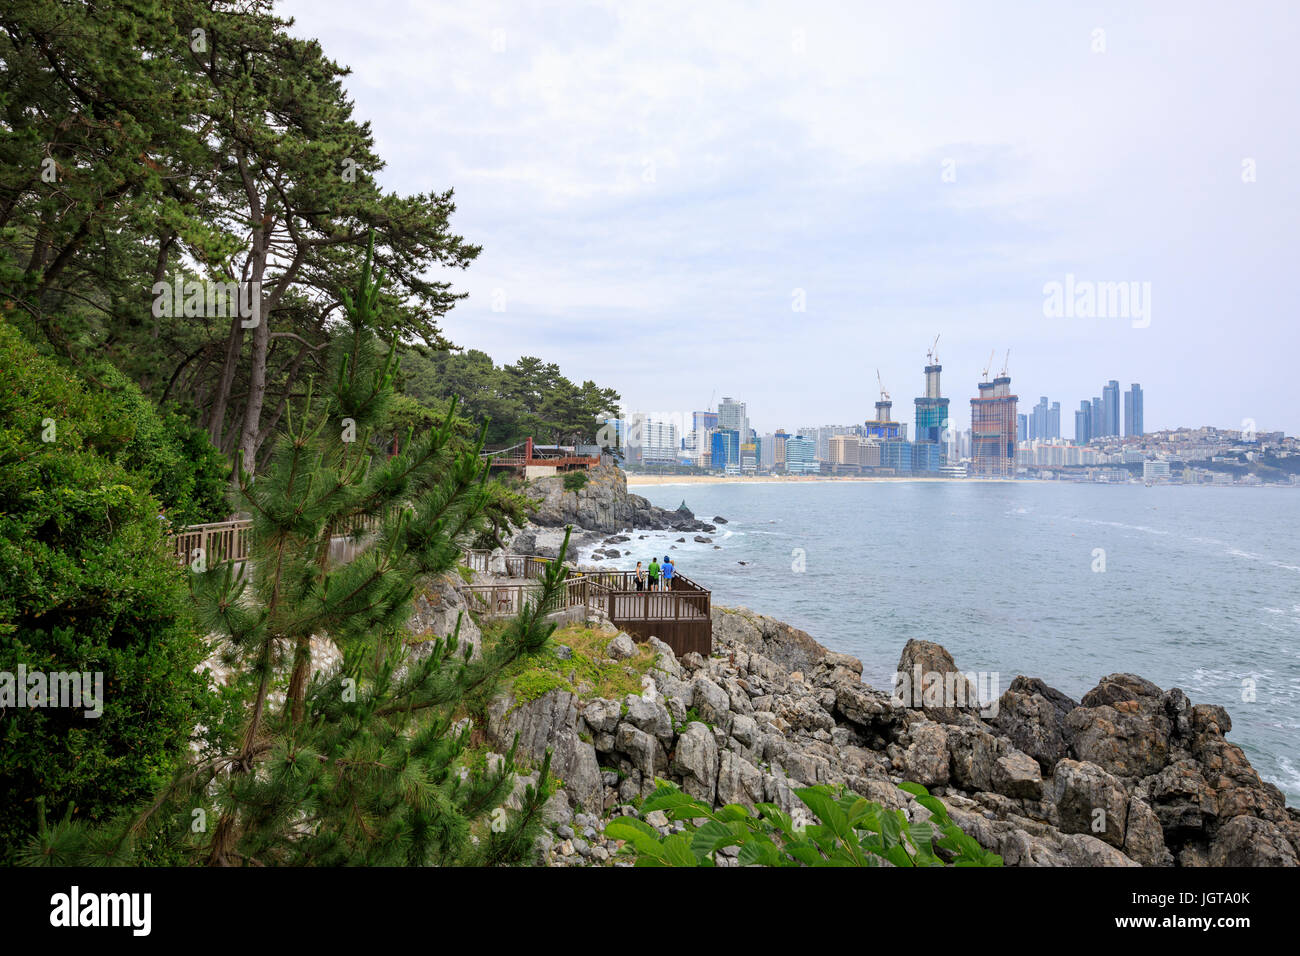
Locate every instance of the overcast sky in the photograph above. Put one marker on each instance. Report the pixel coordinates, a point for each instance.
(654, 183)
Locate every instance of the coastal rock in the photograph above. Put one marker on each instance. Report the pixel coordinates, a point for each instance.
(929, 680)
(926, 760)
(1182, 800)
(1250, 841)
(787, 646)
(602, 504)
(1129, 736)
(649, 716)
(777, 711)
(1032, 715)
(551, 722)
(739, 781)
(646, 753)
(437, 612)
(1016, 774)
(621, 647)
(711, 702)
(1144, 838)
(1090, 800)
(974, 753)
(1114, 688)
(696, 760)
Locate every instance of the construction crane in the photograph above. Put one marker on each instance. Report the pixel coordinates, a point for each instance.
(932, 356)
(884, 395)
(989, 364)
(1006, 363)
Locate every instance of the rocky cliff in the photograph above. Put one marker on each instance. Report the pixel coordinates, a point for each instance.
(1130, 775)
(604, 504)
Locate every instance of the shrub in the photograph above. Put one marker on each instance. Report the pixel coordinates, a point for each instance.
(575, 480)
(853, 832)
(85, 586)
(172, 456)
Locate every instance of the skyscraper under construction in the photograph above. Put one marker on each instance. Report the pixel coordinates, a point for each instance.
(932, 409)
(993, 428)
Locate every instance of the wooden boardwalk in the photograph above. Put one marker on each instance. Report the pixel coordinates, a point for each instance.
(681, 617)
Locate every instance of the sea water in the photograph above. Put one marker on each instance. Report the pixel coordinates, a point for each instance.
(1191, 587)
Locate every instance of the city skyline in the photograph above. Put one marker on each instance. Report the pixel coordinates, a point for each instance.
(661, 191)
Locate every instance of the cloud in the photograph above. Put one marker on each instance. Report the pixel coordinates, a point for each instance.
(651, 183)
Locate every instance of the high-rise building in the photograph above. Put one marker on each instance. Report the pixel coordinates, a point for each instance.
(733, 417)
(845, 452)
(882, 426)
(778, 452)
(660, 444)
(801, 456)
(1044, 421)
(1037, 420)
(1083, 423)
(1110, 408)
(1096, 418)
(767, 452)
(927, 457)
(726, 449)
(931, 408)
(1022, 428)
(868, 453)
(704, 421)
(1133, 411)
(748, 458)
(896, 454)
(993, 429)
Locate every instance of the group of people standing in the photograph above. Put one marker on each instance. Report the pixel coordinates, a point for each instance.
(657, 577)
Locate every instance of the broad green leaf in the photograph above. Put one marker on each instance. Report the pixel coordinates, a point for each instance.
(677, 805)
(733, 811)
(935, 806)
(713, 836)
(677, 850)
(891, 828)
(759, 850)
(820, 802)
(898, 856)
(643, 837)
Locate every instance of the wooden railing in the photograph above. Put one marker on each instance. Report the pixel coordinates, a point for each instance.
(508, 600)
(223, 541)
(680, 617)
(214, 543)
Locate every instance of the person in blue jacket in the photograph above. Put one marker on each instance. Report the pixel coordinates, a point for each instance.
(667, 570)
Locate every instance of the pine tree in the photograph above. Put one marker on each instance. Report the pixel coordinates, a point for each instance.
(363, 767)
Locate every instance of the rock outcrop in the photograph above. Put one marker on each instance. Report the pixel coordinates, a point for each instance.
(1130, 775)
(604, 504)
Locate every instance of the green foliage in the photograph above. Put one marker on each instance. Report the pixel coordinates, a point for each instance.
(529, 398)
(692, 717)
(588, 670)
(151, 142)
(852, 831)
(174, 458)
(360, 766)
(575, 480)
(87, 584)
